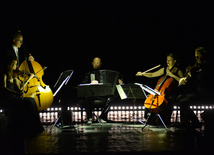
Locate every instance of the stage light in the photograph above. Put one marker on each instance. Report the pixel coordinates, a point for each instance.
(194, 107)
(139, 107)
(115, 108)
(127, 107)
(131, 107)
(123, 107)
(119, 107)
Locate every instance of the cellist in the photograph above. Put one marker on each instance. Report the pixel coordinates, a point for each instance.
(172, 71)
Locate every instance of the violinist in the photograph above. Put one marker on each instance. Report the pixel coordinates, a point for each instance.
(199, 76)
(23, 110)
(172, 71)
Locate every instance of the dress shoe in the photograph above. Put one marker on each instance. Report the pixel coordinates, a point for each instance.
(89, 121)
(101, 120)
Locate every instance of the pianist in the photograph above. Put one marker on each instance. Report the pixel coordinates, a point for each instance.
(94, 77)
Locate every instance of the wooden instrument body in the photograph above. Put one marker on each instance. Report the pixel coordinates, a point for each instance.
(164, 86)
(42, 93)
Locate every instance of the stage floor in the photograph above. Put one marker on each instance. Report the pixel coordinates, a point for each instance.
(110, 138)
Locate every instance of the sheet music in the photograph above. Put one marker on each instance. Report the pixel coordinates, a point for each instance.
(89, 84)
(121, 92)
(148, 89)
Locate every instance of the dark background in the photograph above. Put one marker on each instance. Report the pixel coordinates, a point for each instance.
(128, 36)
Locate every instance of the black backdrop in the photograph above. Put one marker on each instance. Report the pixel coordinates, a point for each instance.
(128, 36)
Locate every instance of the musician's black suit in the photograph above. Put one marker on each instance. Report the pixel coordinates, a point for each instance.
(11, 53)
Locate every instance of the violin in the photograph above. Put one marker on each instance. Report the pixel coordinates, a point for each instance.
(17, 73)
(156, 103)
(188, 70)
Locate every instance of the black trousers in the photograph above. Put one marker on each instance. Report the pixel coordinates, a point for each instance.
(24, 114)
(184, 101)
(106, 101)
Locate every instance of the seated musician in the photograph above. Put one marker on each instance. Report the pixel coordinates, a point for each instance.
(172, 71)
(87, 79)
(201, 81)
(23, 111)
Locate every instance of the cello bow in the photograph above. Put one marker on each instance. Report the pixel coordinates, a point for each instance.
(150, 69)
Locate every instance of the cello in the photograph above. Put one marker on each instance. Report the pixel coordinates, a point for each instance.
(156, 103)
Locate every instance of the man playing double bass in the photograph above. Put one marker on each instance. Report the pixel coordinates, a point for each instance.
(13, 51)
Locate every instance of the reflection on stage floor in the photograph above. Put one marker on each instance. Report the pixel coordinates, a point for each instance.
(121, 134)
(110, 138)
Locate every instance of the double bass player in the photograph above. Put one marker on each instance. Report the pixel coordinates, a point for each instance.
(13, 50)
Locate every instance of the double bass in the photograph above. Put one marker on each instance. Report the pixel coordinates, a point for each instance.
(156, 103)
(42, 93)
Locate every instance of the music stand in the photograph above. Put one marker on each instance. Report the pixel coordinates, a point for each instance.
(153, 92)
(62, 80)
(131, 91)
